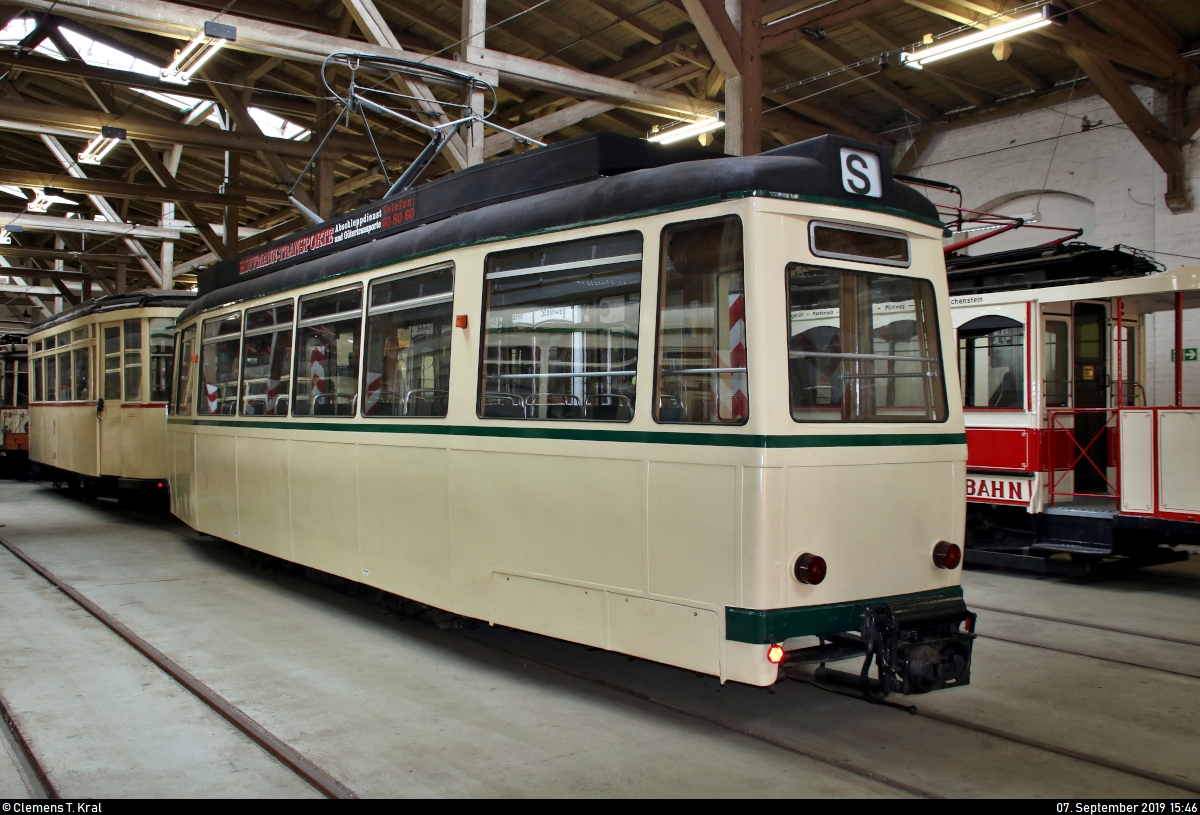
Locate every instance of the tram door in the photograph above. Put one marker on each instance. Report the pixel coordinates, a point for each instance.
(110, 389)
(1092, 382)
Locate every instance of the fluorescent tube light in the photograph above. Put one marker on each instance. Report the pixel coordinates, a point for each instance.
(45, 197)
(102, 145)
(200, 50)
(958, 45)
(688, 131)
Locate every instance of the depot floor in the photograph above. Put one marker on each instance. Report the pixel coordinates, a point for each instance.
(394, 706)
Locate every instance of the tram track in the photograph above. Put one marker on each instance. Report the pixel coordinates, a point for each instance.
(942, 718)
(1043, 647)
(1081, 624)
(29, 767)
(777, 741)
(283, 752)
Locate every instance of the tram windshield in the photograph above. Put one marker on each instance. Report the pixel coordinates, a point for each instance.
(561, 335)
(267, 361)
(220, 341)
(862, 347)
(991, 363)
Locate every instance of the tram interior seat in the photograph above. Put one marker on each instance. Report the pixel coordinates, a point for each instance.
(503, 406)
(670, 408)
(558, 406)
(426, 402)
(608, 406)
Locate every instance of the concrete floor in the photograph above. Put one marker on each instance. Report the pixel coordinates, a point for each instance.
(396, 707)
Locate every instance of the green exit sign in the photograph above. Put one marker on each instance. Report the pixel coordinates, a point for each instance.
(1189, 355)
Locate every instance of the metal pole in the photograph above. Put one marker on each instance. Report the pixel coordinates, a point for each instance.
(1178, 349)
(1120, 349)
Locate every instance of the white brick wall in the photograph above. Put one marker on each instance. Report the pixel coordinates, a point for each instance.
(1107, 165)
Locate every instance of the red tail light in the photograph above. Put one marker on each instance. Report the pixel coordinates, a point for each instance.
(810, 569)
(775, 654)
(947, 555)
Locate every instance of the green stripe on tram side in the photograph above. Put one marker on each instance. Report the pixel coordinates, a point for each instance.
(774, 625)
(579, 434)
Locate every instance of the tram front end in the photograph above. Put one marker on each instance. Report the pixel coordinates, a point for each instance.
(857, 582)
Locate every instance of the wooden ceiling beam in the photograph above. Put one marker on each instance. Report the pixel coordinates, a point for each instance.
(789, 29)
(841, 58)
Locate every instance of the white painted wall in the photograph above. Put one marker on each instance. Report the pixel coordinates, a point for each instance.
(1101, 179)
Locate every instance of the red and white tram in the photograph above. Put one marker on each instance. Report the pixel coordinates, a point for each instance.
(1068, 450)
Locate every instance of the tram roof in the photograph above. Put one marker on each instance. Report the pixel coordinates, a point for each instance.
(593, 179)
(150, 298)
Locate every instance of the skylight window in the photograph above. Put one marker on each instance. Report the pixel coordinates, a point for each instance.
(101, 55)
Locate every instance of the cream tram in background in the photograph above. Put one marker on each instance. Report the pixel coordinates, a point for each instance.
(1066, 452)
(592, 407)
(14, 406)
(100, 382)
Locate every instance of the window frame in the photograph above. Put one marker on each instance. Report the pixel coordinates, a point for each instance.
(936, 333)
(201, 341)
(660, 280)
(485, 299)
(429, 300)
(1026, 383)
(814, 223)
(297, 324)
(255, 332)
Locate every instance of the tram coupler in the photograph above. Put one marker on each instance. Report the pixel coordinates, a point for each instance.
(916, 646)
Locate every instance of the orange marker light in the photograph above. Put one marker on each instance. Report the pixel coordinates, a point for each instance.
(775, 654)
(460, 321)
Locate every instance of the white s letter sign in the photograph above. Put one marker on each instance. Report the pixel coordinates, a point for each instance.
(860, 173)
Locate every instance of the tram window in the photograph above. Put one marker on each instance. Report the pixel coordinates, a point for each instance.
(561, 332)
(183, 394)
(133, 360)
(37, 380)
(37, 346)
(327, 347)
(112, 362)
(64, 376)
(51, 390)
(62, 340)
(162, 358)
(407, 370)
(219, 347)
(863, 245)
(991, 363)
(862, 347)
(82, 374)
(702, 325)
(23, 383)
(79, 334)
(49, 343)
(1057, 365)
(267, 361)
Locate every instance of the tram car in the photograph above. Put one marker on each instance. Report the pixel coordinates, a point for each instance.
(1065, 452)
(101, 375)
(14, 406)
(455, 395)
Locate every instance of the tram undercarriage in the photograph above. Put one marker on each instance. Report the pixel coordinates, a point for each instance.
(1094, 541)
(915, 645)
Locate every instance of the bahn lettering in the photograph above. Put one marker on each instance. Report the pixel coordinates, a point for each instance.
(385, 217)
(1008, 490)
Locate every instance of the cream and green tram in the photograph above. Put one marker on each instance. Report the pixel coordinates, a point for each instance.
(100, 381)
(695, 412)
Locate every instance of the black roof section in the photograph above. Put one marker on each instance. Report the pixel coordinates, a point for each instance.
(598, 177)
(1041, 266)
(148, 298)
